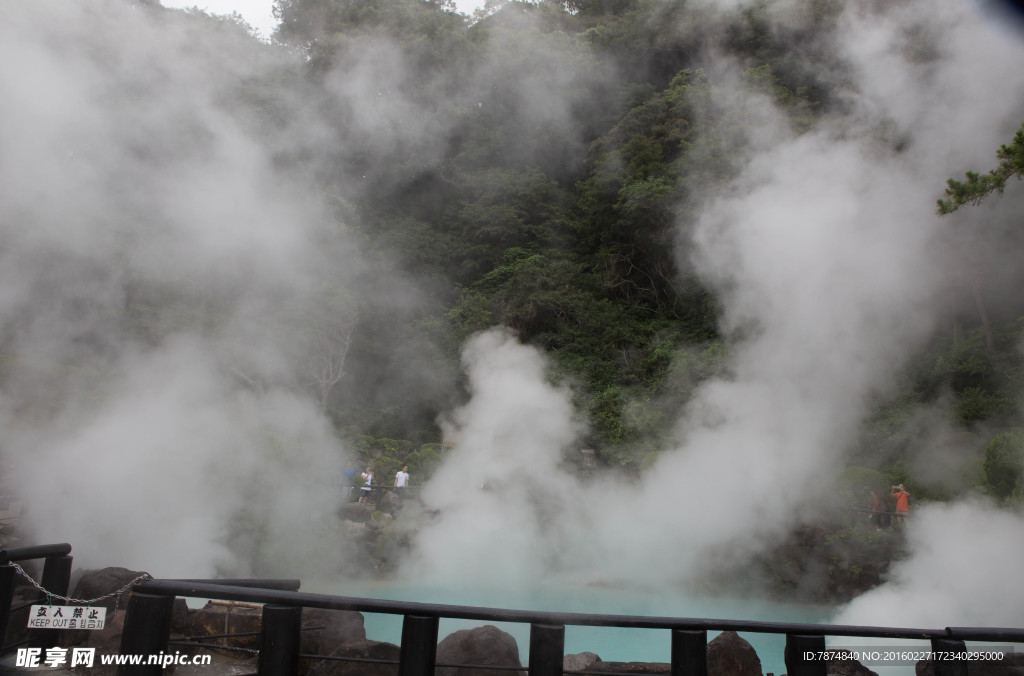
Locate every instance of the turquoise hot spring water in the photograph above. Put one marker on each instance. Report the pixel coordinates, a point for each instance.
(611, 644)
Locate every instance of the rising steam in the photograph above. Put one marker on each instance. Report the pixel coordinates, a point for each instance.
(154, 261)
(827, 259)
(157, 247)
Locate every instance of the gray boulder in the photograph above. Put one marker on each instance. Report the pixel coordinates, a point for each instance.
(731, 655)
(485, 646)
(579, 661)
(361, 649)
(96, 583)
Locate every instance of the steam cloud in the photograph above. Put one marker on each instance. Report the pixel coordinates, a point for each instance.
(151, 250)
(831, 268)
(194, 449)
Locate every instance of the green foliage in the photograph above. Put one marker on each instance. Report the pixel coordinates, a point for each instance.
(1004, 463)
(858, 478)
(975, 404)
(384, 470)
(423, 463)
(977, 186)
(526, 187)
(363, 445)
(393, 447)
(607, 415)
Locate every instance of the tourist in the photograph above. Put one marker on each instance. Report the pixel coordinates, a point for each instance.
(364, 492)
(401, 481)
(902, 502)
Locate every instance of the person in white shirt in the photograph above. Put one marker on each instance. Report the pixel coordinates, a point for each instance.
(364, 492)
(401, 481)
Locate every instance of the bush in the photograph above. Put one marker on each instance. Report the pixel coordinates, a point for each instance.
(1004, 463)
(384, 470)
(363, 445)
(854, 485)
(397, 448)
(423, 463)
(437, 449)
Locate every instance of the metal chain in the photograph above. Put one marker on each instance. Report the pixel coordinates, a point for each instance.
(81, 602)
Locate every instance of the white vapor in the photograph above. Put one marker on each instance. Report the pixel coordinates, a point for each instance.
(964, 571)
(823, 253)
(501, 490)
(152, 255)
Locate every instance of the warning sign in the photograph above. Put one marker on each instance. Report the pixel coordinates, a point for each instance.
(67, 617)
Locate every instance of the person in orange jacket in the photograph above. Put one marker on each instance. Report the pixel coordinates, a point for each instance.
(902, 502)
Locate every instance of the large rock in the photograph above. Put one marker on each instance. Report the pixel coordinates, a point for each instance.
(218, 618)
(579, 661)
(362, 649)
(353, 511)
(485, 646)
(94, 584)
(731, 655)
(106, 641)
(846, 667)
(109, 588)
(324, 631)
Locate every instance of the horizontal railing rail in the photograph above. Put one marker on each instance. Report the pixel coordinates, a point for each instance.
(147, 628)
(378, 491)
(33, 552)
(313, 600)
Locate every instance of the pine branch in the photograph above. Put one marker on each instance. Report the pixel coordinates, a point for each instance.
(978, 186)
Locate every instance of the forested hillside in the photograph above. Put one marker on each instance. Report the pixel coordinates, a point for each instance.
(541, 166)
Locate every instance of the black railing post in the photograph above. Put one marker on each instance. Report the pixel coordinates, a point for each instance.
(56, 574)
(547, 649)
(945, 663)
(419, 646)
(7, 574)
(380, 498)
(56, 579)
(279, 640)
(803, 655)
(689, 652)
(147, 628)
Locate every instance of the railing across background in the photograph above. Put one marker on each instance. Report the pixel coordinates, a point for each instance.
(354, 491)
(148, 623)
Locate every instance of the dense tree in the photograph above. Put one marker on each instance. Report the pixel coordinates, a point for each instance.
(536, 166)
(1004, 463)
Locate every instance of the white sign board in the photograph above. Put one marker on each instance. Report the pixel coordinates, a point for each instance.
(67, 617)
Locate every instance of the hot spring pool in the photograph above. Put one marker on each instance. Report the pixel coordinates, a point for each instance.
(611, 644)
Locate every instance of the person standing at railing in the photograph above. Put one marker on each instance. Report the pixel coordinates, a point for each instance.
(902, 502)
(364, 492)
(401, 481)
